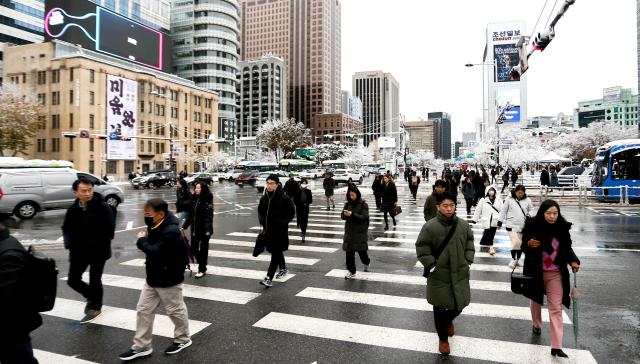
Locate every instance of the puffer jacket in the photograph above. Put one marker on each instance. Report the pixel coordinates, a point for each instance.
(166, 253)
(488, 213)
(514, 212)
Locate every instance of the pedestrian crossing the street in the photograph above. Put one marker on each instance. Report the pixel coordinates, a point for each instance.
(317, 277)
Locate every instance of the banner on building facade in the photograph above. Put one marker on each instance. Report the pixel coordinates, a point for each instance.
(506, 56)
(122, 99)
(508, 101)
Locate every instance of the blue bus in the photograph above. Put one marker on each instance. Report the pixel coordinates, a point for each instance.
(617, 164)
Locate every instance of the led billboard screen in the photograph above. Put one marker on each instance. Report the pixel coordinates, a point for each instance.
(508, 100)
(507, 57)
(96, 28)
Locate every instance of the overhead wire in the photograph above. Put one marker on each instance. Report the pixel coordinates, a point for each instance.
(551, 12)
(539, 16)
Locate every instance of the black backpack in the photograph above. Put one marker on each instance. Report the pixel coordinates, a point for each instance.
(41, 279)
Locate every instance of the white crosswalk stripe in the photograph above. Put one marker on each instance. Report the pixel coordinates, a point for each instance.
(121, 318)
(46, 357)
(261, 258)
(292, 237)
(251, 244)
(463, 347)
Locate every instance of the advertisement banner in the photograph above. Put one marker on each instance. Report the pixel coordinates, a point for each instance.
(508, 100)
(122, 99)
(386, 142)
(507, 56)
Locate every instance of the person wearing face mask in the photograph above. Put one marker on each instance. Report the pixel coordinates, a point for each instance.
(183, 199)
(356, 230)
(546, 242)
(166, 259)
(487, 214)
(275, 212)
(515, 211)
(200, 219)
(445, 249)
(302, 200)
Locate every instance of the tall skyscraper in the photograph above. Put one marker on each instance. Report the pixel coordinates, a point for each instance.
(21, 24)
(155, 14)
(380, 96)
(262, 85)
(206, 50)
(306, 34)
(443, 133)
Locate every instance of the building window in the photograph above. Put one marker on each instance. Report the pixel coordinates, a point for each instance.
(141, 127)
(42, 123)
(55, 76)
(55, 98)
(141, 106)
(92, 168)
(149, 148)
(92, 98)
(71, 144)
(128, 167)
(112, 167)
(55, 145)
(91, 144)
(141, 146)
(92, 76)
(55, 121)
(70, 120)
(70, 74)
(70, 97)
(42, 77)
(91, 121)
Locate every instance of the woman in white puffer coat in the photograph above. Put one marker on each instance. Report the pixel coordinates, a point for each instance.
(514, 213)
(487, 215)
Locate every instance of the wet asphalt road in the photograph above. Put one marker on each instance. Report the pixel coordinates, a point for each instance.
(607, 240)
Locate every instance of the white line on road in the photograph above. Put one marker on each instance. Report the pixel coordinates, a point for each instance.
(119, 317)
(250, 244)
(204, 293)
(46, 357)
(421, 304)
(461, 346)
(223, 271)
(129, 225)
(483, 267)
(260, 258)
(293, 237)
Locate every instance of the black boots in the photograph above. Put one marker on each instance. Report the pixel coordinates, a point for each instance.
(559, 352)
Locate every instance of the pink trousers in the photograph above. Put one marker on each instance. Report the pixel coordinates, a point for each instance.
(553, 290)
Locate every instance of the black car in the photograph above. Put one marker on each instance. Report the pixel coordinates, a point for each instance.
(155, 179)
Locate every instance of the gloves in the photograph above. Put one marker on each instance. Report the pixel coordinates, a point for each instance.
(499, 224)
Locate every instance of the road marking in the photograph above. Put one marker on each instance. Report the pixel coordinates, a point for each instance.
(309, 231)
(133, 228)
(416, 280)
(260, 258)
(421, 341)
(46, 357)
(129, 225)
(204, 293)
(421, 304)
(341, 226)
(250, 244)
(223, 271)
(324, 220)
(293, 237)
(482, 267)
(119, 318)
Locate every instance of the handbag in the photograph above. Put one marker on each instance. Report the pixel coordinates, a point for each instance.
(442, 246)
(397, 210)
(260, 244)
(519, 282)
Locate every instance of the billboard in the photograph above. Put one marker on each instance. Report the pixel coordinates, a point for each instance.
(506, 57)
(508, 100)
(122, 98)
(93, 27)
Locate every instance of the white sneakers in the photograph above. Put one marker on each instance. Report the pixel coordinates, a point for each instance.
(492, 250)
(513, 263)
(349, 275)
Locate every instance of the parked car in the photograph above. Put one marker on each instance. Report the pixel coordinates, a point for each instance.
(155, 179)
(196, 177)
(568, 176)
(222, 176)
(347, 176)
(26, 191)
(247, 178)
(312, 173)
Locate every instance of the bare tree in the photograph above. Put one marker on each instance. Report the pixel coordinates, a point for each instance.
(19, 120)
(283, 136)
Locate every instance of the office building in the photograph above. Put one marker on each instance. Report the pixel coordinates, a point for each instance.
(339, 127)
(468, 139)
(307, 35)
(83, 90)
(442, 120)
(421, 135)
(617, 105)
(206, 50)
(542, 122)
(262, 86)
(380, 96)
(456, 149)
(155, 14)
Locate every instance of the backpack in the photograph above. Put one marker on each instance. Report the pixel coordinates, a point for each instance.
(41, 278)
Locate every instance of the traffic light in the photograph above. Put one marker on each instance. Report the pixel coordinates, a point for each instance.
(542, 39)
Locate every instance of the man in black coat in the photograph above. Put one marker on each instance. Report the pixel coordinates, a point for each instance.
(165, 264)
(88, 228)
(275, 211)
(291, 187)
(17, 319)
(328, 184)
(545, 179)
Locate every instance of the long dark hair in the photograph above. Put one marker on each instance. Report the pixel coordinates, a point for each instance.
(205, 193)
(546, 205)
(184, 187)
(353, 188)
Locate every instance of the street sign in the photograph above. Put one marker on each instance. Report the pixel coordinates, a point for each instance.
(506, 142)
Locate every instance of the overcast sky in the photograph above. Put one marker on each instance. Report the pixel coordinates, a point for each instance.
(426, 43)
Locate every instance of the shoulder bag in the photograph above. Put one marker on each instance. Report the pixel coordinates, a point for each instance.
(519, 282)
(442, 246)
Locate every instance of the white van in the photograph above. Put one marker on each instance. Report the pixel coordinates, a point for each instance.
(26, 191)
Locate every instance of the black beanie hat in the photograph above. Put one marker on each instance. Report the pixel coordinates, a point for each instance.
(274, 178)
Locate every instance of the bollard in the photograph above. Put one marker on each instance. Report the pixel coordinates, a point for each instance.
(621, 196)
(626, 195)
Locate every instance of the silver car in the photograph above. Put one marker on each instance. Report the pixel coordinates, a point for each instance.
(26, 191)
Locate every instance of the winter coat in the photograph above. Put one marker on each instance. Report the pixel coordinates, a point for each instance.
(200, 217)
(448, 285)
(376, 187)
(430, 207)
(275, 211)
(88, 233)
(302, 208)
(545, 232)
(412, 186)
(505, 176)
(389, 197)
(478, 186)
(514, 176)
(328, 186)
(488, 213)
(17, 320)
(166, 254)
(511, 214)
(468, 190)
(356, 226)
(553, 180)
(291, 188)
(544, 178)
(183, 200)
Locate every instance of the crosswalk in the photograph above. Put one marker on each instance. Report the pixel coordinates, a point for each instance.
(391, 289)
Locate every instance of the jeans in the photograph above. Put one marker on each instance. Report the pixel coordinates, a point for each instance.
(93, 291)
(330, 199)
(351, 260)
(442, 318)
(200, 250)
(17, 351)
(277, 260)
